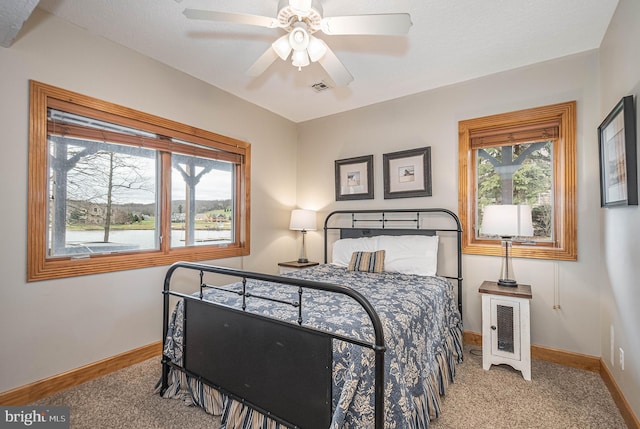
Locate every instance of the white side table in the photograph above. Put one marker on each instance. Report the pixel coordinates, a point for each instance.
(286, 267)
(506, 327)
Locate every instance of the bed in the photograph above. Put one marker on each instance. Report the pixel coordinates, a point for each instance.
(368, 339)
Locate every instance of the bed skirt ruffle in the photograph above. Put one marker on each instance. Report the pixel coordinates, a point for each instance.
(236, 415)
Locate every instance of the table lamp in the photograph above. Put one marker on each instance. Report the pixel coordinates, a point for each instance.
(303, 221)
(507, 221)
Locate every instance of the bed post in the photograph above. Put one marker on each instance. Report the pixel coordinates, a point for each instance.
(459, 251)
(379, 387)
(165, 327)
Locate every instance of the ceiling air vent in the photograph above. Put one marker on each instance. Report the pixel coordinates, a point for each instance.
(320, 86)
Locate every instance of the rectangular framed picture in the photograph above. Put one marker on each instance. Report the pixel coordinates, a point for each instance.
(354, 178)
(618, 162)
(407, 173)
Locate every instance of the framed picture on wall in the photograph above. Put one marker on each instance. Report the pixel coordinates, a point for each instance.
(407, 173)
(354, 178)
(618, 162)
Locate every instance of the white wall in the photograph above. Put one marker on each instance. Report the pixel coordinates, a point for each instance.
(620, 297)
(50, 327)
(431, 119)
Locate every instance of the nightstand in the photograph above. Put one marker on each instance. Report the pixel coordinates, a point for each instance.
(287, 267)
(506, 327)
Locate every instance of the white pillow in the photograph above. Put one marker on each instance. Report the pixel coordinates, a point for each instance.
(410, 254)
(344, 248)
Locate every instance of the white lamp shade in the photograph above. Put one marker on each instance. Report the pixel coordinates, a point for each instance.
(317, 48)
(300, 58)
(303, 220)
(282, 47)
(507, 220)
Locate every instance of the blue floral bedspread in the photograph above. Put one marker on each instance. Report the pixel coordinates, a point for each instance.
(423, 336)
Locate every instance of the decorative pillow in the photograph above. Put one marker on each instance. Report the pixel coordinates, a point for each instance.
(371, 262)
(410, 254)
(344, 248)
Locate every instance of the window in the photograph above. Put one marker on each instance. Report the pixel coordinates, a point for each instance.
(112, 189)
(525, 157)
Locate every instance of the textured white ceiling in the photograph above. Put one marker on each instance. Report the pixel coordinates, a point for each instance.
(12, 15)
(450, 41)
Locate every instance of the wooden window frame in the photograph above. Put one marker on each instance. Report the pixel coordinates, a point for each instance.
(40, 267)
(564, 245)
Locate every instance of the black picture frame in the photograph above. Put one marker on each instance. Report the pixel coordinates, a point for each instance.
(618, 161)
(354, 178)
(407, 174)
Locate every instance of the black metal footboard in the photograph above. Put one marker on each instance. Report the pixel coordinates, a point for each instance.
(280, 369)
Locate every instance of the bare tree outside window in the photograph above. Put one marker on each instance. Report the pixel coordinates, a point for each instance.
(96, 186)
(110, 178)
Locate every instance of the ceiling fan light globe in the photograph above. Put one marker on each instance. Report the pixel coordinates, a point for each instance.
(282, 47)
(317, 48)
(300, 59)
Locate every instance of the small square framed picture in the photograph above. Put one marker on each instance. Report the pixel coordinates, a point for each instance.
(354, 178)
(407, 173)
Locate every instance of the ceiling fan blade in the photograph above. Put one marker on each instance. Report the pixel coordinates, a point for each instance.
(335, 69)
(262, 63)
(383, 24)
(239, 18)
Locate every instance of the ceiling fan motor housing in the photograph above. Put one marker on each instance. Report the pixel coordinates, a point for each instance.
(288, 16)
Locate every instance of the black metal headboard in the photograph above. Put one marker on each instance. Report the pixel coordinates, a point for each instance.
(369, 223)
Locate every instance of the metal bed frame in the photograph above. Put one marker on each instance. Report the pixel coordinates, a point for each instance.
(293, 360)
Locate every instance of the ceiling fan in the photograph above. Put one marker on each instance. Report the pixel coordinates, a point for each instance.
(301, 19)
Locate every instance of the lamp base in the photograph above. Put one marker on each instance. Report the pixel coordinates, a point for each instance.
(303, 260)
(507, 282)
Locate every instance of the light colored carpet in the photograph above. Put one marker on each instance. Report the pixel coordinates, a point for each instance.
(125, 400)
(557, 397)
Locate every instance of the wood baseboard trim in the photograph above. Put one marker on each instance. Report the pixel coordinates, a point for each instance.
(32, 392)
(563, 357)
(625, 409)
(472, 338)
(580, 361)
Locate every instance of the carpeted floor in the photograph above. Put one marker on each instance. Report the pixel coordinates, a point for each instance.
(557, 397)
(125, 400)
